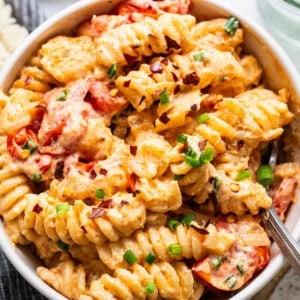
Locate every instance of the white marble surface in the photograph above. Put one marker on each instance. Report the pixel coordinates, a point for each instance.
(289, 286)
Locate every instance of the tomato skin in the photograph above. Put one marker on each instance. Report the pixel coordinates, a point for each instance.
(263, 253)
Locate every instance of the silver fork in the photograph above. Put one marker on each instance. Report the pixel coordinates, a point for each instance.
(278, 231)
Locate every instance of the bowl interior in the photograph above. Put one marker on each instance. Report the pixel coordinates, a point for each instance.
(279, 72)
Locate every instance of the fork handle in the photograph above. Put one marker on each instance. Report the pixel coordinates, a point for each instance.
(287, 244)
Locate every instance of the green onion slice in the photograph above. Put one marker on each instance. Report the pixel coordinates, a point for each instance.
(173, 224)
(202, 118)
(231, 25)
(175, 249)
(199, 56)
(164, 97)
(206, 156)
(150, 258)
(63, 246)
(100, 194)
(36, 177)
(112, 71)
(231, 281)
(216, 262)
(181, 138)
(30, 145)
(188, 218)
(244, 174)
(191, 161)
(217, 184)
(177, 176)
(130, 257)
(63, 95)
(241, 268)
(62, 208)
(265, 175)
(150, 288)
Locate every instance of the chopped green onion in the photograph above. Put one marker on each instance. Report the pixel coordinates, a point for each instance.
(36, 177)
(63, 95)
(177, 176)
(191, 161)
(164, 97)
(100, 194)
(150, 258)
(175, 249)
(265, 175)
(206, 156)
(216, 262)
(62, 208)
(202, 118)
(199, 56)
(63, 246)
(188, 218)
(112, 71)
(217, 184)
(231, 281)
(190, 152)
(150, 288)
(173, 223)
(181, 138)
(231, 25)
(241, 268)
(130, 257)
(244, 174)
(30, 145)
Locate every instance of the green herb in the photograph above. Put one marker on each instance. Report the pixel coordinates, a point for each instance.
(216, 262)
(190, 152)
(150, 258)
(112, 71)
(231, 25)
(130, 257)
(30, 145)
(177, 176)
(175, 249)
(181, 138)
(62, 208)
(191, 161)
(173, 223)
(202, 118)
(265, 175)
(199, 56)
(150, 288)
(36, 177)
(63, 246)
(188, 218)
(164, 97)
(63, 95)
(241, 268)
(231, 281)
(206, 156)
(100, 194)
(244, 174)
(217, 184)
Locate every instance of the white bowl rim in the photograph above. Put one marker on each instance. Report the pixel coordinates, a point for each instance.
(264, 277)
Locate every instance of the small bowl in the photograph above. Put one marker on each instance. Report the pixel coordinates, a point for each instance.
(279, 72)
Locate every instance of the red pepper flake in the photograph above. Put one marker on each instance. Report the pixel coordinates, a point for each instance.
(164, 118)
(97, 212)
(156, 68)
(133, 150)
(103, 171)
(194, 107)
(142, 99)
(109, 203)
(126, 83)
(203, 231)
(132, 181)
(59, 170)
(191, 78)
(172, 44)
(165, 61)
(177, 89)
(37, 209)
(202, 144)
(240, 144)
(175, 78)
(83, 228)
(93, 174)
(123, 203)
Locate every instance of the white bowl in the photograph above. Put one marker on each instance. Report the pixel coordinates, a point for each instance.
(279, 72)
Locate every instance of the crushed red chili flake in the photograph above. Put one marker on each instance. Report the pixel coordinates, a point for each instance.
(172, 44)
(175, 78)
(103, 171)
(203, 231)
(177, 89)
(132, 178)
(191, 78)
(164, 118)
(123, 203)
(97, 212)
(240, 144)
(126, 83)
(59, 170)
(156, 68)
(194, 107)
(37, 209)
(133, 150)
(202, 144)
(83, 228)
(109, 203)
(93, 174)
(142, 99)
(165, 61)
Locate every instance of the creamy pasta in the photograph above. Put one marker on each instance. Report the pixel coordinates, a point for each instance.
(131, 156)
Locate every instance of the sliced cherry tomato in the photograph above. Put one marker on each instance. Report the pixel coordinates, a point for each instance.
(263, 253)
